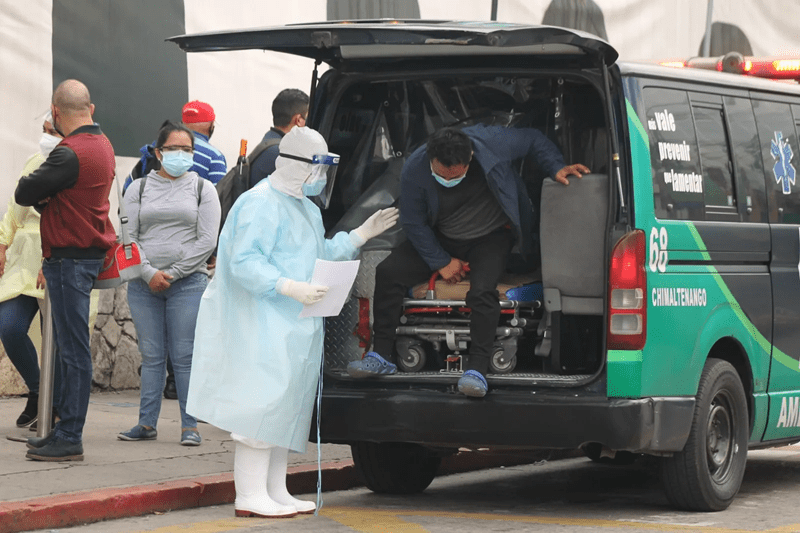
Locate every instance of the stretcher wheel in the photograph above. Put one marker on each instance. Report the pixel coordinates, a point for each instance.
(502, 363)
(411, 356)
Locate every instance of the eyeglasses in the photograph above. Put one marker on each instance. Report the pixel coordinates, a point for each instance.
(177, 148)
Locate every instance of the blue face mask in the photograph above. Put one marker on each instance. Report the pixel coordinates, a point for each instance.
(177, 163)
(448, 183)
(314, 189)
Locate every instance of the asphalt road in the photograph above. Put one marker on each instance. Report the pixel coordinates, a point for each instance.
(561, 496)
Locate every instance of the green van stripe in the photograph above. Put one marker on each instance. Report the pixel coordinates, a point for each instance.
(624, 356)
(634, 118)
(737, 309)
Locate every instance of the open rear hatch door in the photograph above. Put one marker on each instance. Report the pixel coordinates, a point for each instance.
(336, 43)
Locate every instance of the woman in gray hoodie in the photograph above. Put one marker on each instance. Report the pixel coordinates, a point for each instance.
(175, 220)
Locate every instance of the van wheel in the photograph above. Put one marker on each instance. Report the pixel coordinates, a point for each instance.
(707, 474)
(395, 467)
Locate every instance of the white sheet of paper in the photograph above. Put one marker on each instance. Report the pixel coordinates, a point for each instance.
(338, 276)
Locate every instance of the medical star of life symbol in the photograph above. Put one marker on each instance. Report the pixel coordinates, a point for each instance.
(783, 169)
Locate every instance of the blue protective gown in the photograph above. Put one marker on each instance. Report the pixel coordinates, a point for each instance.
(256, 365)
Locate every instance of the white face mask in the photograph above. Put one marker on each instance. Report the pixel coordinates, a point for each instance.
(47, 143)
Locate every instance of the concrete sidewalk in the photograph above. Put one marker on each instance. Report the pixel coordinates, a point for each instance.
(119, 479)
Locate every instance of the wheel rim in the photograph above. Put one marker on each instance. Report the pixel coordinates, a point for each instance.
(720, 437)
(412, 357)
(501, 362)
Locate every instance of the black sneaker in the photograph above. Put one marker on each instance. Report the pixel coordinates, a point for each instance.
(38, 442)
(31, 412)
(57, 450)
(170, 391)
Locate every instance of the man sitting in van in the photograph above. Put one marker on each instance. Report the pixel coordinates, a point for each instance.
(463, 208)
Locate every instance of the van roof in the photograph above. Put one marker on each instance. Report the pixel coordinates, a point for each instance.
(342, 41)
(707, 77)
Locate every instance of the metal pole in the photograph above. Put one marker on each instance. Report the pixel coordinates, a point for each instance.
(494, 9)
(707, 39)
(47, 370)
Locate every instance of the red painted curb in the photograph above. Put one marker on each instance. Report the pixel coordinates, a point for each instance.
(67, 510)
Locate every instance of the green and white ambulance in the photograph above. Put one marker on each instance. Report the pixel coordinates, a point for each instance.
(668, 318)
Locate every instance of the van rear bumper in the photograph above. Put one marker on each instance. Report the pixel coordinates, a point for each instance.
(506, 419)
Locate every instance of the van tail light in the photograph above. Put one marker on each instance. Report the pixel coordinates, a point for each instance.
(627, 305)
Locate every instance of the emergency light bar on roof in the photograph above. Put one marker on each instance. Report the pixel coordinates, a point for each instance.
(762, 67)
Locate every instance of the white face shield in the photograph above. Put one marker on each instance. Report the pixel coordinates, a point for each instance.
(323, 173)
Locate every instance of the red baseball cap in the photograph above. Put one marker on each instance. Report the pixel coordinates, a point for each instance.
(197, 111)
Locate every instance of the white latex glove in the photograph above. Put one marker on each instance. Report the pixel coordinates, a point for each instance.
(303, 292)
(376, 224)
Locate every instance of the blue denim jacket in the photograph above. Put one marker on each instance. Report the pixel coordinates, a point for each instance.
(495, 148)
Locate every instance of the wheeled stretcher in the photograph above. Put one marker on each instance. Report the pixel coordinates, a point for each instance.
(435, 324)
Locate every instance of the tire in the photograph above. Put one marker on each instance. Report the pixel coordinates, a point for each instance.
(707, 474)
(395, 468)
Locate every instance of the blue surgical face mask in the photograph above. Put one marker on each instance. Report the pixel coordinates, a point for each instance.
(315, 188)
(177, 163)
(447, 183)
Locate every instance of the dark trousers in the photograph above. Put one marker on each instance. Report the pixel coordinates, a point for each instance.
(69, 283)
(16, 316)
(487, 257)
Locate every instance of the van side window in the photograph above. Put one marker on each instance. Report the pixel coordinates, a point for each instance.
(779, 152)
(749, 169)
(677, 176)
(715, 158)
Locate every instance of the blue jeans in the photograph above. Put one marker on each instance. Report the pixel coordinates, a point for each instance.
(164, 323)
(69, 283)
(16, 316)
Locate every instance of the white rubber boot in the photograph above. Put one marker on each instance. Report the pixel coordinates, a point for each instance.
(276, 483)
(250, 467)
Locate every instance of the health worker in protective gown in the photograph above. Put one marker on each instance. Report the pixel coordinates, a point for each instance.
(256, 364)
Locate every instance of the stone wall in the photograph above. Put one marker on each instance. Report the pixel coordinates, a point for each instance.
(115, 354)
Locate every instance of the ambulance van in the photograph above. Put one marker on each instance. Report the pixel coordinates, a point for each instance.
(665, 317)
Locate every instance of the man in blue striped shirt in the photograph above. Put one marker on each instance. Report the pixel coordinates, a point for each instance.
(209, 163)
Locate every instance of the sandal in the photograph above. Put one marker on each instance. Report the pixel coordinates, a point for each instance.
(371, 365)
(472, 383)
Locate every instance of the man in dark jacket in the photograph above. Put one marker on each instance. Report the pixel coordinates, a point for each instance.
(463, 208)
(289, 109)
(71, 189)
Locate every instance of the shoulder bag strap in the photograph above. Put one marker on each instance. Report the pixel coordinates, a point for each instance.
(123, 221)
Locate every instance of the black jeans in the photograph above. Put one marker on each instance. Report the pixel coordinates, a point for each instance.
(487, 257)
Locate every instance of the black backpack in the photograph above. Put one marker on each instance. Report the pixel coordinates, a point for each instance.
(237, 180)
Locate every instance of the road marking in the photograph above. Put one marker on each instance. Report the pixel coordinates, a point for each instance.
(399, 521)
(369, 521)
(381, 521)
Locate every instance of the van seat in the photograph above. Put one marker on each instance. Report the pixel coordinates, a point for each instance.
(572, 236)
